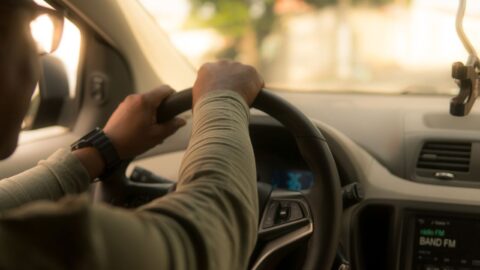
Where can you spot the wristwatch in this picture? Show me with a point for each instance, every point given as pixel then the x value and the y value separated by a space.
pixel 98 140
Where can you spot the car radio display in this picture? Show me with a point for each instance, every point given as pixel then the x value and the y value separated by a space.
pixel 446 243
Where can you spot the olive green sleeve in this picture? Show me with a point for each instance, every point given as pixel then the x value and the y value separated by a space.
pixel 210 222
pixel 217 193
pixel 59 175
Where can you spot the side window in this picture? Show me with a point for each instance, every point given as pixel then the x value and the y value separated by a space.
pixel 56 90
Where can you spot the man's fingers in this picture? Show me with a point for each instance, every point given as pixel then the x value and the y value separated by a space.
pixel 157 95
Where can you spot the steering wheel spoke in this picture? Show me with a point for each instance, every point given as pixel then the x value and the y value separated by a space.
pixel 285 211
pixel 286 220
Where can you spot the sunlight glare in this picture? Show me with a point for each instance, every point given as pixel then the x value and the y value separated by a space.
pixel 69 52
pixel 42 31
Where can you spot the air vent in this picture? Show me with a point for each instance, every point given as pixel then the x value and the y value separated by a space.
pixel 445 156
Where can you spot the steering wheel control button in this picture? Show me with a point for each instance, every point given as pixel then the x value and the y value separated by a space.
pixel 269 220
pixel 296 211
pixel 283 212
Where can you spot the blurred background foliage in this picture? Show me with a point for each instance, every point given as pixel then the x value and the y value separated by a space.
pixel 236 18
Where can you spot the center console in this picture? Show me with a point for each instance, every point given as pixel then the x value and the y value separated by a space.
pixel 414 235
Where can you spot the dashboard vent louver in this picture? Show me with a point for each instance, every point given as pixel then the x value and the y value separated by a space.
pixel 445 156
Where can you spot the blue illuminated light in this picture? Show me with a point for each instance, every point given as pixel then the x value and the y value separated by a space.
pixel 294 180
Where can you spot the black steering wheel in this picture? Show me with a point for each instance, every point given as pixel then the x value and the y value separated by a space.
pixel 286 217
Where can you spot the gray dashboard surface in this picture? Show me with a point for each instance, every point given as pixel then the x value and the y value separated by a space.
pixel 391 128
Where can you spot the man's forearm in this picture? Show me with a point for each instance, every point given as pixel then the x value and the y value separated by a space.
pixel 51 179
pixel 216 194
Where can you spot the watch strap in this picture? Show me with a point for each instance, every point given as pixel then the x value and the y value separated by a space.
pixel 99 140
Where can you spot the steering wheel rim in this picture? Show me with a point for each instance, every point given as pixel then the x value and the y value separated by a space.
pixel 321 204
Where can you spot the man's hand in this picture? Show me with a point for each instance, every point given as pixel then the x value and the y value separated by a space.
pixel 133 127
pixel 228 75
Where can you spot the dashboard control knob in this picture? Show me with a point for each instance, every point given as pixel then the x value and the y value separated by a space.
pixel 352 194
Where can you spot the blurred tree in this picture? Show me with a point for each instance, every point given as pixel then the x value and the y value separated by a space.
pixel 237 21
pixel 321 3
pixel 229 17
pixel 234 20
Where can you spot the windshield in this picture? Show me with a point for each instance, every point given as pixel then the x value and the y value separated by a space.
pixel 374 46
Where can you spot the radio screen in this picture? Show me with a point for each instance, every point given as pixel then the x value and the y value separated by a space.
pixel 446 243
